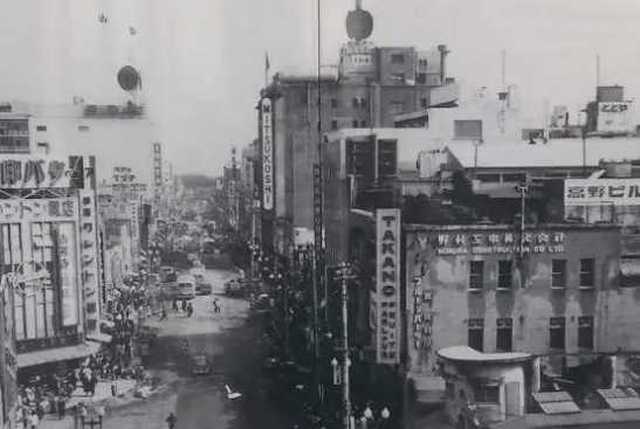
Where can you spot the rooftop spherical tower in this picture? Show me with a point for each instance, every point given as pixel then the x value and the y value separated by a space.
pixel 359 23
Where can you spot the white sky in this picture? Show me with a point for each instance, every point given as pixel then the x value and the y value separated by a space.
pixel 202 61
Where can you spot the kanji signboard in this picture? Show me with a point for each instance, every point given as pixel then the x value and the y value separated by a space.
pixel 617 192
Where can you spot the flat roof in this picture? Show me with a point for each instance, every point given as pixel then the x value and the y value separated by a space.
pixel 467 354
pixel 506 227
pixel 555 153
pixel 411 141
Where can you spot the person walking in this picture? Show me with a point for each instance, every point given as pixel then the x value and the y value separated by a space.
pixel 34 420
pixel 171 421
pixel 62 405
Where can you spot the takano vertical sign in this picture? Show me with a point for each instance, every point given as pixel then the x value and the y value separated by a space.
pixel 388 286
pixel 267 153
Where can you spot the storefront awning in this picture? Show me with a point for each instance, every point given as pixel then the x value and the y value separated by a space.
pixel 630 267
pixel 40 357
pixel 99 337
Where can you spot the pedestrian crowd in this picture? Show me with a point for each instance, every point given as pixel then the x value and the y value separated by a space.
pixel 182 305
pixel 49 393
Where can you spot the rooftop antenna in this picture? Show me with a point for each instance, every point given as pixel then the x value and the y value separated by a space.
pixel 597 73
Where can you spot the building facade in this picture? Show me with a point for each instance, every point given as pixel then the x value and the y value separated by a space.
pixel 372 86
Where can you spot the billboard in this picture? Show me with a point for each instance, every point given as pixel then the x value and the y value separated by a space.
pixel 267 154
pixel 38 210
pixel 66 239
pixel 614 117
pixel 20 172
pixel 388 286
pixel 89 260
pixel 617 192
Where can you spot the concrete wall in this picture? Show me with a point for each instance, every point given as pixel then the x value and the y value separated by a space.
pixel 462 380
pixel 531 301
pixel 386 66
pixel 296 136
pixel 67 132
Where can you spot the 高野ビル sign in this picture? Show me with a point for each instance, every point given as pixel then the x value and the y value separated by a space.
pixel 617 192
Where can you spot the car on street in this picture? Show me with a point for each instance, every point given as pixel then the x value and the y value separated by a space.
pixel 200 365
pixel 203 289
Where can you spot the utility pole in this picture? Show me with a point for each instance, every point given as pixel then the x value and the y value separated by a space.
pixel 345 274
pixel 523 189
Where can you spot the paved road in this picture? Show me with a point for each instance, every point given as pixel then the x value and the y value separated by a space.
pixel 231 342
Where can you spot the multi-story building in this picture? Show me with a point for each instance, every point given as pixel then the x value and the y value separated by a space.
pixel 373 85
pixel 50 267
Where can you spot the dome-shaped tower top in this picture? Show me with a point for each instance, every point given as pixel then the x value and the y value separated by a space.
pixel 359 23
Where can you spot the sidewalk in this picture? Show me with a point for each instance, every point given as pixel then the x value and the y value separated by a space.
pixel 101 397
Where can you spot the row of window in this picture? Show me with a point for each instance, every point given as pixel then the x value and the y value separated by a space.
pixel 558 274
pixel 557 330
pixel 34 311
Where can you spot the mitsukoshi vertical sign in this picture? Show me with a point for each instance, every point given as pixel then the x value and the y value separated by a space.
pixel 388 286
pixel 267 153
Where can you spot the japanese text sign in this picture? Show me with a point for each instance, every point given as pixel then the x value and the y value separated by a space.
pixel 617 192
pixel 388 286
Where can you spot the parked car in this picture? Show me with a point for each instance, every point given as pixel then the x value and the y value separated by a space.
pixel 200 365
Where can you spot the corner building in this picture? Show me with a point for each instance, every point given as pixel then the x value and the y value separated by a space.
pixel 471 285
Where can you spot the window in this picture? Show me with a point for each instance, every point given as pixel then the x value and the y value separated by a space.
pixel 487 393
pixel 83 128
pixel 559 273
pixel 504 334
pixel 467 129
pixel 587 272
pixel 476 271
pixel 359 102
pixel 334 124
pixel 421 78
pixel 397 58
pixel 354 123
pixel 585 332
pixel 397 76
pixel 396 107
pixel 387 159
pixel 422 62
pixel 556 333
pixel 363 124
pixel 504 274
pixel 450 390
pixel 424 103
pixel 41 128
pixel 514 177
pixel 476 334
pixel 488 178
pixel 334 103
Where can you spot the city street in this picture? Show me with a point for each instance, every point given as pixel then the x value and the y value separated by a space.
pixel 230 341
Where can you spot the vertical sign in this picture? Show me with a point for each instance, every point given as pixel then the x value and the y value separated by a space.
pixel 267 154
pixel 388 286
pixel 67 273
pixel 317 208
pixel 89 260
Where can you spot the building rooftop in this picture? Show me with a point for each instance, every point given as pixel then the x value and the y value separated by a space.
pixel 411 141
pixel 555 153
pixel 467 354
